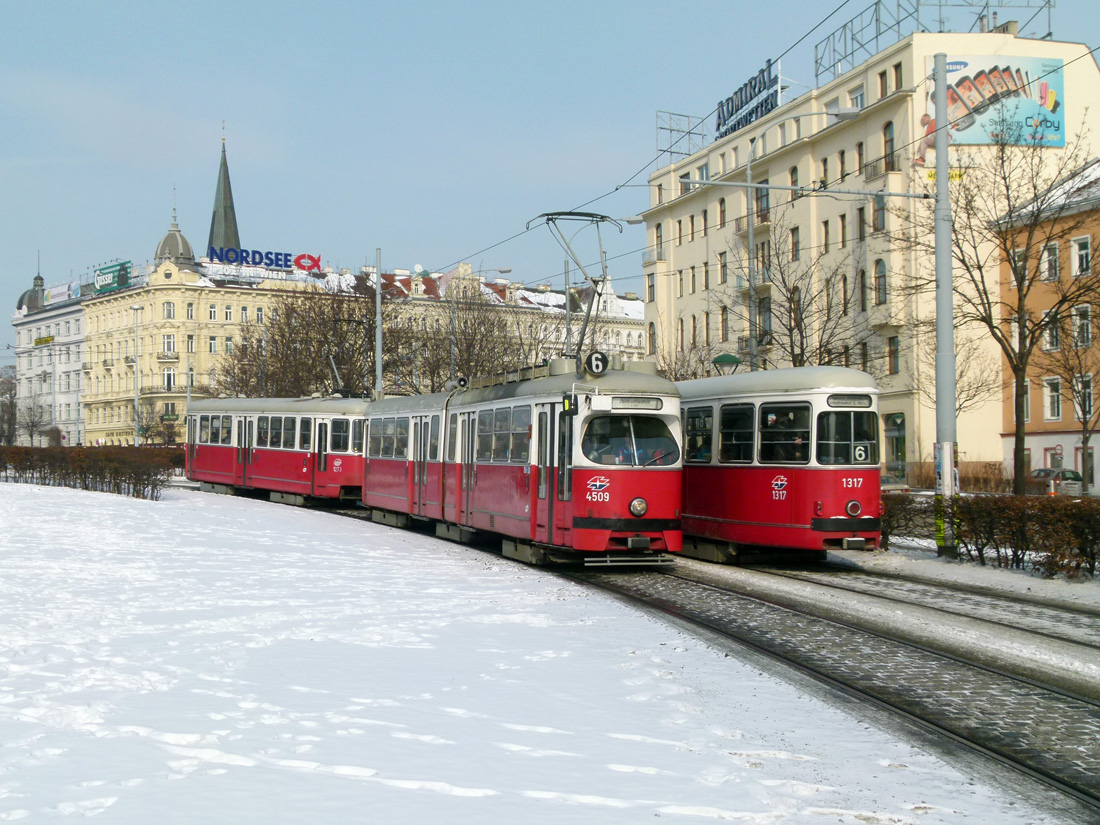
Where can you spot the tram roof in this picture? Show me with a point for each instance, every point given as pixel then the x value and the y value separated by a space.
pixel 330 404
pixel 617 381
pixel 788 380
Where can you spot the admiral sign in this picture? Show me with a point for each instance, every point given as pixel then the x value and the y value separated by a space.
pixel 751 102
pixel 267 259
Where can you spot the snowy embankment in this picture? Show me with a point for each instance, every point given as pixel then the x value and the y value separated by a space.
pixel 217 660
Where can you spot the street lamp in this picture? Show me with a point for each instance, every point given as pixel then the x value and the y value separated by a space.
pixel 137 387
pixel 726 363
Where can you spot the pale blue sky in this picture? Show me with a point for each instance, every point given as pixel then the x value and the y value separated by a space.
pixel 434 130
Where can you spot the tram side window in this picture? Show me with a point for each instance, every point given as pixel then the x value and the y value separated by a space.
pixel 521 435
pixel 305 433
pixel 784 433
pixel 485 435
pixel 401 444
pixel 339 432
pixel 736 432
pixel 433 440
pixel 374 438
pixel 227 429
pixel 847 438
pixel 261 431
pixel 275 435
pixel 389 432
pixel 452 436
pixel 698 433
pixel 357 427
pixel 215 429
pixel 204 429
pixel 502 433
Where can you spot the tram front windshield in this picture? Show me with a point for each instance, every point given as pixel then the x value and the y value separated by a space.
pixel 847 438
pixel 634 440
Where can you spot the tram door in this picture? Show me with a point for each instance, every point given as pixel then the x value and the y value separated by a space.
pixel 320 463
pixel 562 486
pixel 467 433
pixel 420 432
pixel 244 451
pixel 544 470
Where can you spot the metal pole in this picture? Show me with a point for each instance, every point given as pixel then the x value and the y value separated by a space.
pixel 137 383
pixel 378 325
pixel 945 327
pixel 568 317
pixel 751 216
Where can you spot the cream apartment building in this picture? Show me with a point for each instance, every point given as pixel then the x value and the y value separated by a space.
pixel 861 131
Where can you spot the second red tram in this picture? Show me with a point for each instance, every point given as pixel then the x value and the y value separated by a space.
pixel 780 459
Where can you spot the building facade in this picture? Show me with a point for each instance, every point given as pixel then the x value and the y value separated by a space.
pixel 808 270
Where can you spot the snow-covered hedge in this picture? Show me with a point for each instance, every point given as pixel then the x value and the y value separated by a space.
pixel 131 471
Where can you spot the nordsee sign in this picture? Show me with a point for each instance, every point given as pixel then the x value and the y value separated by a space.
pixel 752 101
pixel 271 260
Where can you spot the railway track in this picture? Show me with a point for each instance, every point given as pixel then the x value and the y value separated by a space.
pixel 1040 730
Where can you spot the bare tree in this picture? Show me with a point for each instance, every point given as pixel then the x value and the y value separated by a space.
pixel 977 374
pixel 1013 203
pixel 32 418
pixel 8 391
pixel 804 297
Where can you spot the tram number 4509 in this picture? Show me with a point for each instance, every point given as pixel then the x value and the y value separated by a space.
pixel 598 495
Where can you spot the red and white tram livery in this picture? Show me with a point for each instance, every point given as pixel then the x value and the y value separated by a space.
pixel 780 459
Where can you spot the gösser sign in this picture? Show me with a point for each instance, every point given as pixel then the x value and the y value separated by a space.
pixel 271 260
pixel 751 102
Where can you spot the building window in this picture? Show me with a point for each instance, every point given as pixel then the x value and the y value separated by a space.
pixel 651 340
pixel 824 236
pixel 762 202
pixel 897 76
pixel 168 342
pixel 213 344
pixel 244 315
pixel 882 90
pixel 168 310
pixel 1082 401
pixel 685 183
pixel 724 324
pixel 862 290
pixel 723 268
pixel 1052 399
pixel 878 214
pixel 169 378
pixel 880 282
pixel 691 228
pixel 721 212
pixel 259 315
pixel 843 231
pixel 679 283
pixel 1082 257
pixel 228 312
pixel 228 346
pixel 679 233
pixel 794 182
pixel 1048 262
pixel 694 331
pixel 693 280
pixel 824 172
pixel 888 147
pixel 893 355
pixel 650 287
pixel 660 193
pixel 680 334
pixel 658 242
pixel 1051 330
pixel 864 356
pixel 844 294
pixel 796 251
pixel 842 171
pixel 856 98
pixel 704 218
pixel 861 223
pixel 859 158
pixel 190 312
pixel 1082 326
pixel 190 343
pixel 706 276
pixel 213 313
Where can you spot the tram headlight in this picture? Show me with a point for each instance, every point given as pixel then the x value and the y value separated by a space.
pixel 639 507
pixel 853 508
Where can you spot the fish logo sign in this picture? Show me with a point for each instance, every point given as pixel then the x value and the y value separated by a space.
pixel 308 263
pixel 598 483
pixel 779 483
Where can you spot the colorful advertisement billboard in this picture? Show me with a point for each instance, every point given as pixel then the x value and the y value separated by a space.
pixel 985 91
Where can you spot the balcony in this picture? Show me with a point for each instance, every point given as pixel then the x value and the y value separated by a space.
pixel 741 224
pixel 168 355
pixel 163 389
pixel 87 366
pixel 653 256
pixel 880 166
pixel 129 359
pixel 762 276
pixel 108 362
pixel 763 340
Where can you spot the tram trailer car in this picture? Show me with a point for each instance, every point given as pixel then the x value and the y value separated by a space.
pixel 784 459
pixel 563 467
pixel 294 449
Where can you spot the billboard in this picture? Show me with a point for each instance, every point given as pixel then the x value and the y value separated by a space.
pixel 983 91
pixel 111 277
pixel 60 294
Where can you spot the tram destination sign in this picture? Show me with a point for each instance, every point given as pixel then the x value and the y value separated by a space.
pixel 756 97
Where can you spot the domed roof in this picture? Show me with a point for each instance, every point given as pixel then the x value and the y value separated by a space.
pixel 175 247
pixel 33 299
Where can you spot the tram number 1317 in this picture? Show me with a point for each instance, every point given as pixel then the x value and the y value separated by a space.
pixel 851 482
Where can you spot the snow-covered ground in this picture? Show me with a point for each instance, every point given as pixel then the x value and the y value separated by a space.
pixel 206 659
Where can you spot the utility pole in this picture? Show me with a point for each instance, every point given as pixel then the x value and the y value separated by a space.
pixel 945 452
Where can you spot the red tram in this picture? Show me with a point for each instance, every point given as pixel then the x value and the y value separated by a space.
pixel 780 459
pixel 563 467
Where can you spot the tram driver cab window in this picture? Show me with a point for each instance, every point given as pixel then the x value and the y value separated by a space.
pixel 784 433
pixel 635 440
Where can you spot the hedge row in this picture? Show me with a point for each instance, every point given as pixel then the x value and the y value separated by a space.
pixel 130 471
pixel 1051 535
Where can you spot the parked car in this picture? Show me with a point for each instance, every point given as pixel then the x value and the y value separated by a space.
pixel 894 484
pixel 1056 481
